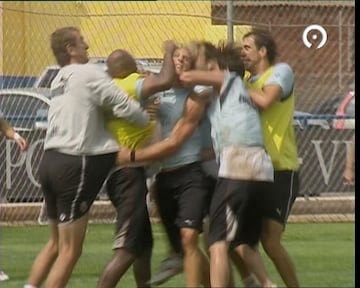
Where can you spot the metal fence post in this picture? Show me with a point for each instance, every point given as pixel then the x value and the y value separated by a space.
pixel 230 20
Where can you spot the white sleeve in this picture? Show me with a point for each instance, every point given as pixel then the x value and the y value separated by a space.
pixel 110 95
pixel 199 89
pixel 284 77
pixel 202 91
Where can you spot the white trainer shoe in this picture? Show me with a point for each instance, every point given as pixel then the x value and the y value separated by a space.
pixel 3 276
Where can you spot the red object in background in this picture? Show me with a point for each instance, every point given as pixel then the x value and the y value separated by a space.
pixel 346 108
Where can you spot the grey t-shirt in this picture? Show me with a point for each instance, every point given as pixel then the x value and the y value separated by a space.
pixel 284 77
pixel 81 93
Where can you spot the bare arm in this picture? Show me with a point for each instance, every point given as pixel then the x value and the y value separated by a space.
pixel 265 97
pixel 10 133
pixel 280 84
pixel 350 164
pixel 163 81
pixel 183 129
pixel 194 77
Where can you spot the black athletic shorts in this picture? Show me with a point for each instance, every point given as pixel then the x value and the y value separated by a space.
pixel 182 198
pixel 278 203
pixel 70 184
pixel 235 211
pixel 127 191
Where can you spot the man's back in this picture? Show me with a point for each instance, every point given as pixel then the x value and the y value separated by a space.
pixel 80 93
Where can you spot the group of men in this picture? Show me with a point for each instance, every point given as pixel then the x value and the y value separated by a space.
pixel 228 103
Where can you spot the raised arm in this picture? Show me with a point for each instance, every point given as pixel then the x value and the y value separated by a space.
pixel 279 86
pixel 184 128
pixel 198 77
pixel 163 81
pixel 264 98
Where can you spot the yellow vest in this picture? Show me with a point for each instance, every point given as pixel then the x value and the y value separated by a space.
pixel 277 126
pixel 127 134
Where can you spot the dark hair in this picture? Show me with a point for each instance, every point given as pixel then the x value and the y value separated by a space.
pixel 264 38
pixel 210 50
pixel 230 58
pixel 60 40
pixel 121 64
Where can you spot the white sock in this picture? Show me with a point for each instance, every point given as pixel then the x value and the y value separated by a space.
pixel 29 286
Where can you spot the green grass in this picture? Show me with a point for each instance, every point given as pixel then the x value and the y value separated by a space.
pixel 324 255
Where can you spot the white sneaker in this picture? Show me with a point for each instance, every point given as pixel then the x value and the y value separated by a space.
pixel 169 267
pixel 3 276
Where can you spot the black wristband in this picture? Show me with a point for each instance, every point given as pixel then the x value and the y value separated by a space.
pixel 132 156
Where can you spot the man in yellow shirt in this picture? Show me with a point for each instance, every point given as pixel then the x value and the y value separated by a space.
pixel 271 87
pixel 126 186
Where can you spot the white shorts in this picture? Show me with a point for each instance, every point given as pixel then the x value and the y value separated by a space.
pixel 246 163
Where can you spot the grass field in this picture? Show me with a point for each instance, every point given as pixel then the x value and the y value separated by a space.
pixel 324 255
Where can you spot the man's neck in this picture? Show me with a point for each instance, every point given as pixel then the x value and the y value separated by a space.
pixel 260 68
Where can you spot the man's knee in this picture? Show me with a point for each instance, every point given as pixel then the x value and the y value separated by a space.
pixel 271 235
pixel 218 248
pixel 189 238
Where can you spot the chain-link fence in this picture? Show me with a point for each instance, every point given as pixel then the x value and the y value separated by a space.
pixel 315 37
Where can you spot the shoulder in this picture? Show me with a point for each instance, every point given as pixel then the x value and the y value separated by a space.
pixel 86 72
pixel 95 69
pixel 94 73
pixel 284 77
pixel 131 79
pixel 281 74
pixel 233 80
pixel 202 96
pixel 283 68
pixel 230 77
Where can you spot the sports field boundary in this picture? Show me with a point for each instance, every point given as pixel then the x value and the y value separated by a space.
pixel 305 209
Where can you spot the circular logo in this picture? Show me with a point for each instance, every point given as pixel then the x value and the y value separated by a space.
pixel 313 32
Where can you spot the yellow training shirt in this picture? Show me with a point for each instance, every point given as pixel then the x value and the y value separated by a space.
pixel 277 127
pixel 127 134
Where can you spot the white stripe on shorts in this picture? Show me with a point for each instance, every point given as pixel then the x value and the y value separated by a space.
pixel 80 187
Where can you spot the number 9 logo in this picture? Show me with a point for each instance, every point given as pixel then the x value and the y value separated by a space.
pixel 307 31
